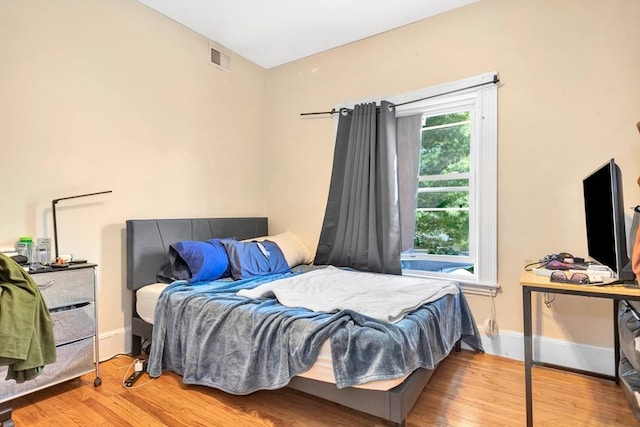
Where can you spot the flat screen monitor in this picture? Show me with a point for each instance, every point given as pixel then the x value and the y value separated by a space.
pixel 604 214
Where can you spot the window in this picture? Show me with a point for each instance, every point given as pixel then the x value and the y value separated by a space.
pixel 442 205
pixel 456 206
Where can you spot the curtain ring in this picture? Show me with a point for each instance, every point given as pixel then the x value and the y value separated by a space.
pixel 344 112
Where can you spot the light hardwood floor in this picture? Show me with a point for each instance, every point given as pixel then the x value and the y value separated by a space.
pixel 468 389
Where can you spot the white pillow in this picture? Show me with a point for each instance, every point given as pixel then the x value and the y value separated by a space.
pixel 294 251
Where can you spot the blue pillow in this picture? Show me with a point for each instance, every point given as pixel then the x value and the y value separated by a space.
pixel 251 259
pixel 204 261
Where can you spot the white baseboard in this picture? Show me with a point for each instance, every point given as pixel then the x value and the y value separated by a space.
pixel 114 342
pixel 564 353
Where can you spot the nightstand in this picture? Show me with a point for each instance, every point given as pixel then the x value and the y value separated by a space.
pixel 70 295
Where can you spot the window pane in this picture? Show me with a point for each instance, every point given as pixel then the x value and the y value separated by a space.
pixel 447 119
pixel 442 217
pixel 446 149
pixel 442 232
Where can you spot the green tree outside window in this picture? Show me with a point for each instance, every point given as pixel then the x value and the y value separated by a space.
pixel 442 214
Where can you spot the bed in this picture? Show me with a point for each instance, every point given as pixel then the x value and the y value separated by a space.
pixel 390 397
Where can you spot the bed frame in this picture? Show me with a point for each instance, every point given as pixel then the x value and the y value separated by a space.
pixel 148 243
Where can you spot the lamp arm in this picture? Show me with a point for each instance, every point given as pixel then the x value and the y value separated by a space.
pixel 54 202
pixel 55 226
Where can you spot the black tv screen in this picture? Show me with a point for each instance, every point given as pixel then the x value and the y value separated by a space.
pixel 604 214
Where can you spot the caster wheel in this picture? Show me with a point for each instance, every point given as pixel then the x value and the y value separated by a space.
pixel 97 382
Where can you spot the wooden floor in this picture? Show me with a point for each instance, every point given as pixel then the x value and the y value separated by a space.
pixel 468 389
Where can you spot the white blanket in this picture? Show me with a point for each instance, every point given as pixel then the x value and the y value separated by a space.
pixel 384 297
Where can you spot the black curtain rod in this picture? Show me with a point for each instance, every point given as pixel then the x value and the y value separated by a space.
pixel 495 80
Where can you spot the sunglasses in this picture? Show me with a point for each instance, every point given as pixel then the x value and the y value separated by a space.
pixel 578 278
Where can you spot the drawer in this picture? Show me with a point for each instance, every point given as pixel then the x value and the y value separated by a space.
pixel 74 323
pixel 629 334
pixel 72 360
pixel 66 287
pixel 630 385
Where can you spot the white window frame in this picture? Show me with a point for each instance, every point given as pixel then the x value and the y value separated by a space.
pixel 482 101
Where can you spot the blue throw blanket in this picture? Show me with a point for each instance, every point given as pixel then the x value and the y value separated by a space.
pixel 212 337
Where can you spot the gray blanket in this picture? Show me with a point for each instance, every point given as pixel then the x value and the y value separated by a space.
pixel 386 297
pixel 212 337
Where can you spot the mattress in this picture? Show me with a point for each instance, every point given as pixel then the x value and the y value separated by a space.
pixel 321 370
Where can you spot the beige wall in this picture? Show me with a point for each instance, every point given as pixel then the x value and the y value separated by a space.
pixel 110 95
pixel 568 101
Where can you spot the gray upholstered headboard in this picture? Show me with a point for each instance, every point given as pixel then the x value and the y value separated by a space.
pixel 148 240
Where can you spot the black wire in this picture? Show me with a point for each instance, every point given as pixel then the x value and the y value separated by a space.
pixel 540 263
pixel 548 301
pixel 115 356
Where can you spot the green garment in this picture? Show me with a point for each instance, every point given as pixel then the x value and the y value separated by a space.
pixel 26 331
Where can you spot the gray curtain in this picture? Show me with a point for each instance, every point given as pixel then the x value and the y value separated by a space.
pixel 361 227
pixel 409 140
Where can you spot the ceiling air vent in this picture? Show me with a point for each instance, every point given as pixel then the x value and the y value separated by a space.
pixel 220 59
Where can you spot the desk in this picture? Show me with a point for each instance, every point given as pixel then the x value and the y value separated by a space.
pixel 531 282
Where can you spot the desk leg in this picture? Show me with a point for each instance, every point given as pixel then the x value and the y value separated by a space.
pixel 616 340
pixel 528 350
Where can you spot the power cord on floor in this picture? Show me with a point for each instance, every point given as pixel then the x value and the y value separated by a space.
pixel 116 356
pixel 130 378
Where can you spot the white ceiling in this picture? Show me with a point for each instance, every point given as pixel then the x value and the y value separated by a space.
pixel 274 32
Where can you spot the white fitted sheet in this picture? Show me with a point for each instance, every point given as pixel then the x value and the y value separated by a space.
pixel 147 299
pixel 321 370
